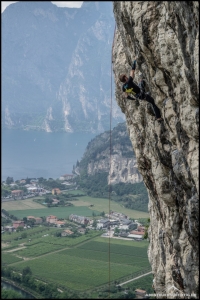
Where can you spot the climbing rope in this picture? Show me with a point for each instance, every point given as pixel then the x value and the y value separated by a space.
pixel 110 187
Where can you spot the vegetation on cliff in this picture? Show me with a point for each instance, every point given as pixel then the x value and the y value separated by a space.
pixel 95 184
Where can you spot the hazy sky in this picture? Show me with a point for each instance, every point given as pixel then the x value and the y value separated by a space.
pixel 77 4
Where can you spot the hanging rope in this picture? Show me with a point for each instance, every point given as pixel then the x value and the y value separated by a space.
pixel 110 187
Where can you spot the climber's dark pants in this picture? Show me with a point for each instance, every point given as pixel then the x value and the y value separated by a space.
pixel 148 98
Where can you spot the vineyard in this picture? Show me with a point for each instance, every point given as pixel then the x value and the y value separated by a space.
pixel 86 264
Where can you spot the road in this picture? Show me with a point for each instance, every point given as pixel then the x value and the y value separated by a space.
pixel 134 278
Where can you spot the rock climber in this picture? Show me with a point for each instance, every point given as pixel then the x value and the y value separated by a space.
pixel 130 87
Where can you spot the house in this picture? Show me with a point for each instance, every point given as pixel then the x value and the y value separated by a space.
pixel 60 223
pixel 22 181
pixel 38 220
pixel 34 180
pixel 141 228
pixel 81 230
pixel 66 232
pixel 103 223
pixel 137 232
pixel 9 228
pixel 118 215
pixel 55 201
pixel 34 189
pixel 56 191
pixel 79 219
pixel 132 226
pixel 114 222
pixel 123 234
pixel 13 184
pixel 125 221
pixel 16 224
pixel 140 294
pixel 135 235
pixel 30 218
pixel 17 193
pixel 123 227
pixel 51 219
pixel 66 177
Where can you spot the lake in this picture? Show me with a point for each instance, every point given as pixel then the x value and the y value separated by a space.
pixel 36 154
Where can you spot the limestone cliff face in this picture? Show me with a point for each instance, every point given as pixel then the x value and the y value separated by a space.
pixel 123 169
pixel 96 158
pixel 164 35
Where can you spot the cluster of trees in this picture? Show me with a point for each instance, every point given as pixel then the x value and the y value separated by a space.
pixel 97 186
pixel 48 291
pixel 6 213
pixel 50 183
pixel 94 185
pixel 10 294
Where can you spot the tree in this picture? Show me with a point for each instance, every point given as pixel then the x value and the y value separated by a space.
pixel 28 180
pixel 27 271
pixel 24 235
pixel 94 224
pixel 48 200
pixel 9 180
pixel 9 294
pixel 25 219
pixel 19 228
pixel 57 234
pixel 31 222
pixel 116 231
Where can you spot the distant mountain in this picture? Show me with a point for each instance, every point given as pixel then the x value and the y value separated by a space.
pixel 56 67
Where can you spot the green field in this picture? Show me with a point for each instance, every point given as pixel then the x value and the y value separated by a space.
pixel 43 245
pixel 144 283
pixel 31 233
pixel 80 263
pixel 59 212
pixel 90 264
pixel 21 208
pixel 8 258
pixel 129 249
pixel 102 204
pixel 41 240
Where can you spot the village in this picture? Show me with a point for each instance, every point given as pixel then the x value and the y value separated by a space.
pixel 28 188
pixel 114 225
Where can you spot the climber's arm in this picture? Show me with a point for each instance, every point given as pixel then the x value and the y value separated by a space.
pixel 132 73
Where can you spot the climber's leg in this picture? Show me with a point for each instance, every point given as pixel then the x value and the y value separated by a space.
pixel 149 99
pixel 142 85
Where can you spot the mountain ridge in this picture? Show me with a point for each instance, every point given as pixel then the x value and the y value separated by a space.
pixel 49 64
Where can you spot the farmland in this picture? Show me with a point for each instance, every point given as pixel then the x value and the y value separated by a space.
pixel 87 265
pixel 8 258
pixel 28 207
pixel 80 263
pixel 102 204
pixel 60 212
pixel 21 205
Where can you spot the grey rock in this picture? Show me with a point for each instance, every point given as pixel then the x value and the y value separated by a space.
pixel 165 37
